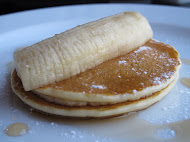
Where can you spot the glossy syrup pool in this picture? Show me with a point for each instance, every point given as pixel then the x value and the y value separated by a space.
pixel 16 129
pixel 167 120
pixel 186 82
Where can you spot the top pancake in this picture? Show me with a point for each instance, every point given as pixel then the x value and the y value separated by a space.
pixel 134 75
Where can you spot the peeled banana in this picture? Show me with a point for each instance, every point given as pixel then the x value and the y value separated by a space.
pixel 78 49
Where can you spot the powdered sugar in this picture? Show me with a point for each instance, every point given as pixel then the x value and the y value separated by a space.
pixel 134 91
pixel 156 80
pixel 122 62
pixel 142 48
pixel 98 87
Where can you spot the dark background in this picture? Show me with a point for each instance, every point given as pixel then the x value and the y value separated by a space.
pixel 9 6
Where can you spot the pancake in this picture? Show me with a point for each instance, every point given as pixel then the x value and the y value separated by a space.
pixel 104 111
pixel 125 78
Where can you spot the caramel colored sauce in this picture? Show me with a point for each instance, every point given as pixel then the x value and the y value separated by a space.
pixel 16 129
pixel 185 61
pixel 186 82
pixel 148 65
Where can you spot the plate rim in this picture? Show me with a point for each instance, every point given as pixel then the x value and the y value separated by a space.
pixel 17 20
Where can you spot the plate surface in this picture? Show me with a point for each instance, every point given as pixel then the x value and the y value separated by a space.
pixel 167 120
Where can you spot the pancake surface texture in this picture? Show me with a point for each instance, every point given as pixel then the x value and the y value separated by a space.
pixel 139 73
pixel 106 111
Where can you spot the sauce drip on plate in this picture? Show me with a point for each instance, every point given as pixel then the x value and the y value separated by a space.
pixel 16 129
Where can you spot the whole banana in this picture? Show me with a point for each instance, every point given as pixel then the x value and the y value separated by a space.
pixel 81 48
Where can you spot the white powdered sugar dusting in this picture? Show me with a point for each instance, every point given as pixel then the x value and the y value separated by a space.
pixel 170 60
pixel 134 91
pixel 156 80
pixel 165 75
pixel 133 69
pixel 98 87
pixel 142 48
pixel 122 62
pixel 145 72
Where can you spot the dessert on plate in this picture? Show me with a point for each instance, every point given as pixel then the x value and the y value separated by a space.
pixel 101 69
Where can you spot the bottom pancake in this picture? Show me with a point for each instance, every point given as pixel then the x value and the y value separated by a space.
pixel 103 111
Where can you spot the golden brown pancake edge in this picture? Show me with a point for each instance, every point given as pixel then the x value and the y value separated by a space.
pixel 87 112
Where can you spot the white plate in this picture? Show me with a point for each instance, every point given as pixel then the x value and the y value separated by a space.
pixel 166 120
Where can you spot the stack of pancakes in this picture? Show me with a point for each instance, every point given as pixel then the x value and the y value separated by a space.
pixel 129 82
